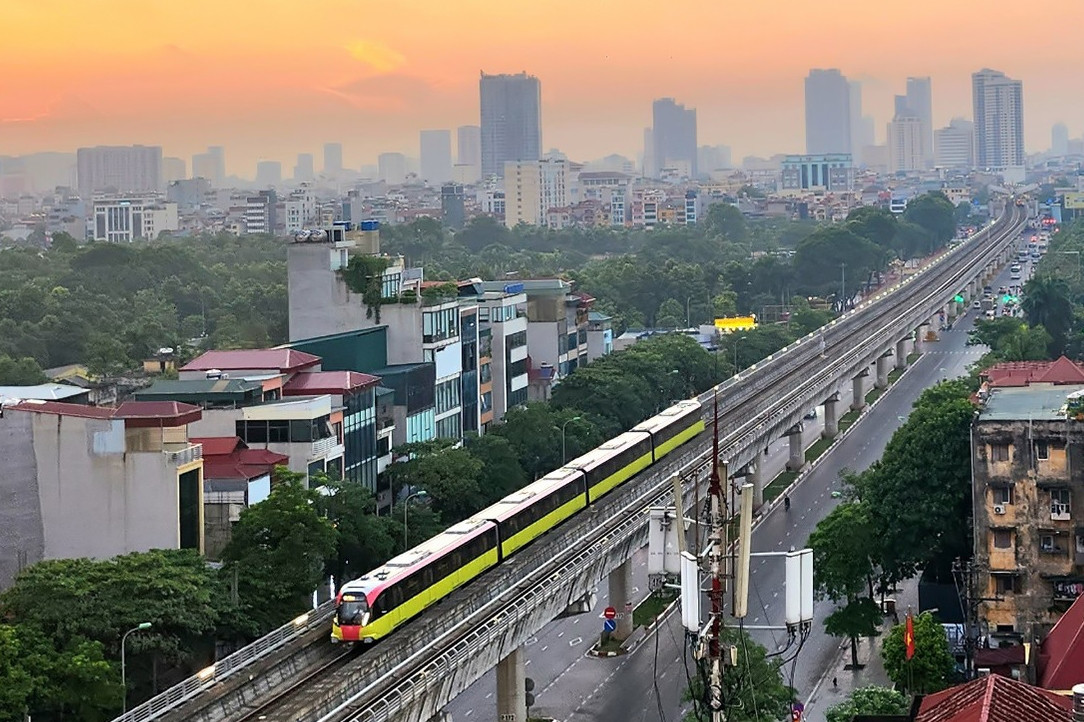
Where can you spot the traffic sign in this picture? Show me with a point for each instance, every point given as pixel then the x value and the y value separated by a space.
pixel 609 625
pixel 610 613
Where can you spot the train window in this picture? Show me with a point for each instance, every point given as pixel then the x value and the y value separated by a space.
pixel 427 574
pixel 675 427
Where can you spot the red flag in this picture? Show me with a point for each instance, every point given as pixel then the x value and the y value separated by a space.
pixel 909 637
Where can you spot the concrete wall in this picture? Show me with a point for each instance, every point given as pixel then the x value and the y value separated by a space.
pixel 70 490
pixel 320 303
pixel 22 534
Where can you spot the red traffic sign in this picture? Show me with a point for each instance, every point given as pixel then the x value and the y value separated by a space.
pixel 610 613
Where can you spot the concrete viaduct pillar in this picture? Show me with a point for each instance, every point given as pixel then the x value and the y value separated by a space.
pixel 621 600
pixel 881 380
pixel 797 453
pixel 754 476
pixel 858 400
pixel 901 353
pixel 920 337
pixel 511 693
pixel 831 417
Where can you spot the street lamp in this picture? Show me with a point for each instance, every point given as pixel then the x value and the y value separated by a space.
pixel 564 456
pixel 123 676
pixel 419 494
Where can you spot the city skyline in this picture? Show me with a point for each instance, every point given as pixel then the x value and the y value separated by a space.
pixel 189 81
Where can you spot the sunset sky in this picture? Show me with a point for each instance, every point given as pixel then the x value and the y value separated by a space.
pixel 270 79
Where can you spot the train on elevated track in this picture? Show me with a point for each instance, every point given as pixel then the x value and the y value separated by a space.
pixel 375 604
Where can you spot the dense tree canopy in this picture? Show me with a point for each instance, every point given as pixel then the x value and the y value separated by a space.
pixel 754 690
pixel 871 700
pixel 930 670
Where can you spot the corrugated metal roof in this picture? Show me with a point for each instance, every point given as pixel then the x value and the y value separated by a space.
pixel 1061 658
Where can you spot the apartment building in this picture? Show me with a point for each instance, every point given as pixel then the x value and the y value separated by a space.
pixel 1027 503
pixel 120 169
pixel 422 319
pixel 556 335
pixel 502 317
pixel 85 481
pixel 126 218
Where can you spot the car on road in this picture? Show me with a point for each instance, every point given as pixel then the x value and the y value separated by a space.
pixel 976 304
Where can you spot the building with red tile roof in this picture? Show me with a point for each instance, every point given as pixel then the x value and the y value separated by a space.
pixel 311 383
pixel 1061 656
pixel 995 699
pixel 97 481
pixel 251 361
pixel 1024 373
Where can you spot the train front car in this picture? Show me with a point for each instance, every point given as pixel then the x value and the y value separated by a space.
pixel 375 604
pixel 352 612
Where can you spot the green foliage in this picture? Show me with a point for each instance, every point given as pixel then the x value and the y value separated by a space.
pixel 919 494
pixel 871 700
pixel 822 255
pixel 502 472
pixel 858 618
pixel 754 690
pixel 842 544
pixel 20 372
pixel 931 668
pixel 1047 303
pixel 623 389
pixel 363 540
pixel 533 434
pixel 55 680
pixel 726 220
pixel 874 224
pixel 115 305
pixel 90 606
pixel 935 215
pixel 1010 339
pixel 364 275
pixel 277 552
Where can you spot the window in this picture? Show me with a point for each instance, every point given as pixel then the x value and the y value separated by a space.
pixel 483 313
pixel 1002 539
pixel 1046 543
pixel 440 325
pixel 999 452
pixel 1042 450
pixel 1060 501
pixel 517 339
pixel 449 428
pixel 1003 495
pixel 1005 584
pixel 448 394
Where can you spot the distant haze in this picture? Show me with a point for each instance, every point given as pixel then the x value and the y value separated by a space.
pixel 272 79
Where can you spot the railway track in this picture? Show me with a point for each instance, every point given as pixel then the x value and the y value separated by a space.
pixel 374 685
pixel 399 686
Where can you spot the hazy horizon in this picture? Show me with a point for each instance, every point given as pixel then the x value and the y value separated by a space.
pixel 184 76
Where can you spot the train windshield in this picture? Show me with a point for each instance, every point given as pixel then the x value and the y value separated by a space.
pixel 353 609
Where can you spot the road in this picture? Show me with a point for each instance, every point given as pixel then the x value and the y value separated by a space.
pixel 573 687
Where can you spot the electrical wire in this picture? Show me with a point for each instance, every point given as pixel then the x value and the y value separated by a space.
pixel 655 677
pixel 745 648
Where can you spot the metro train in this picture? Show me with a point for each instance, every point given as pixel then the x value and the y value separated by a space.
pixel 375 604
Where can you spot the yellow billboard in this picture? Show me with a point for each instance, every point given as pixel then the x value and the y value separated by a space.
pixel 1074 200
pixel 737 323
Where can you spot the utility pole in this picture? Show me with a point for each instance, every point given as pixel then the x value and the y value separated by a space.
pixel 963 574
pixel 716 556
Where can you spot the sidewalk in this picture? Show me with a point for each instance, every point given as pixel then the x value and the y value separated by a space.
pixel 827 695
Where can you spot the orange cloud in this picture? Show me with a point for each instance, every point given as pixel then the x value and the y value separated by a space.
pixel 376 55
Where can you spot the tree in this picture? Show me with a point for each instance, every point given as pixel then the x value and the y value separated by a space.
pixel 727 221
pixel 819 260
pixel 501 472
pixel 20 372
pixel 871 700
pixel 932 666
pixel 935 214
pixel 1010 339
pixel 1048 304
pixel 277 552
pixel 918 495
pixel 363 540
pixel 449 475
pixel 753 690
pixel 874 224
pixel 843 543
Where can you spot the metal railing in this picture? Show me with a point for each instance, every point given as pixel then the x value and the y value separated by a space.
pixel 227 666
pixel 732 389
pixel 186 455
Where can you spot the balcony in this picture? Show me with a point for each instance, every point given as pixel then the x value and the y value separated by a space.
pixel 1059 512
pixel 186 455
pixel 323 448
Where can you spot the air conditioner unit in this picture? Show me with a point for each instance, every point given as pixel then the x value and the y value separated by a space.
pixel 999 509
